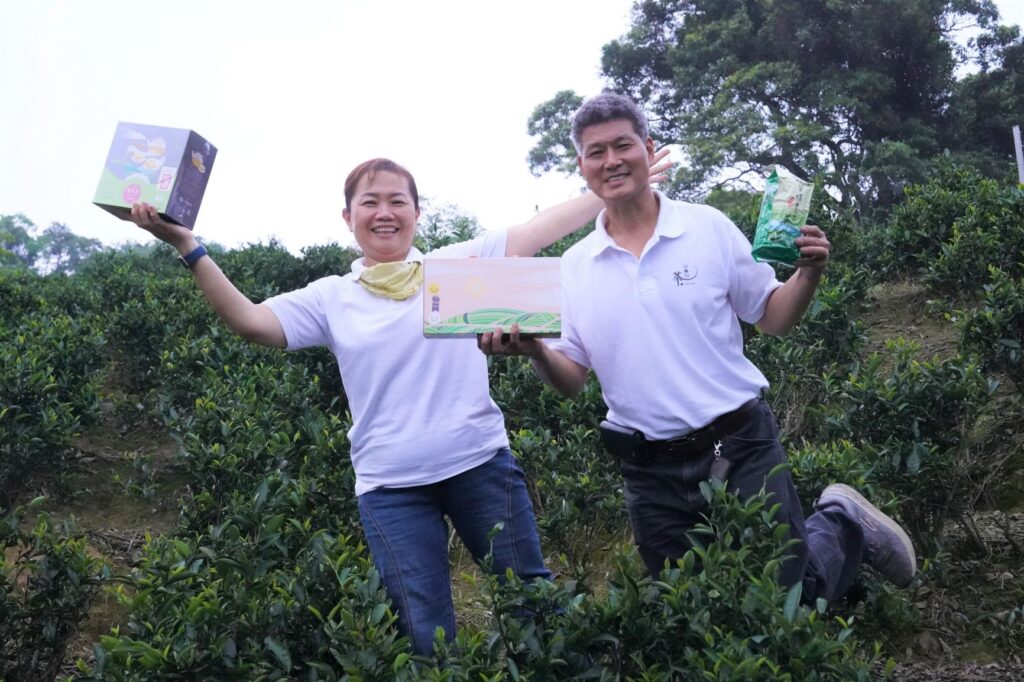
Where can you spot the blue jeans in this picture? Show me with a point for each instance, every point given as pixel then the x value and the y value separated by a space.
pixel 664 502
pixel 408 538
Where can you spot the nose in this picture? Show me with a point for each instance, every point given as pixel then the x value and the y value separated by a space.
pixel 611 159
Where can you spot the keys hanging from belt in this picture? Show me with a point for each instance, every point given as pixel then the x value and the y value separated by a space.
pixel 720 466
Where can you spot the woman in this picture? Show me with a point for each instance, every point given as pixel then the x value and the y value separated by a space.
pixel 427 440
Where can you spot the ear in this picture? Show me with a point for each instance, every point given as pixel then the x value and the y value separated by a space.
pixel 348 219
pixel 650 149
pixel 579 163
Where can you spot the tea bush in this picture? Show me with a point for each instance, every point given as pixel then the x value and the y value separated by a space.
pixel 912 238
pixel 266 578
pixel 995 330
pixel 830 337
pixel 20 292
pixel 273 591
pixel 250 420
pixel 47 581
pixel 49 367
pixel 144 314
pixel 575 486
pixel 989 234
pixel 913 416
pixel 327 259
pixel 816 466
pixel 529 404
pixel 717 614
pixel 262 270
pixel 577 493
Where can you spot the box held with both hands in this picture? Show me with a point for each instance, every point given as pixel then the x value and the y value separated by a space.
pixel 165 167
pixel 468 296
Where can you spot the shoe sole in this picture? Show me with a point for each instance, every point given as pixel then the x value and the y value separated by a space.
pixel 843 490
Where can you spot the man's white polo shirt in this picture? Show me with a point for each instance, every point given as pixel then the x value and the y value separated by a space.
pixel 661 332
pixel 421 408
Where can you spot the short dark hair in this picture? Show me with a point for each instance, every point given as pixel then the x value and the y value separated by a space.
pixel 372 167
pixel 608 106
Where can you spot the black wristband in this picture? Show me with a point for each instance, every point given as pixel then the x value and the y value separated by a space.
pixel 190 258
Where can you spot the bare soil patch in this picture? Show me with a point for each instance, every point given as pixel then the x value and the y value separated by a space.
pixel 907 310
pixel 122 486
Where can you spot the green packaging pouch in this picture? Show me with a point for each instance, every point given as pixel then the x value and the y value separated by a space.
pixel 784 209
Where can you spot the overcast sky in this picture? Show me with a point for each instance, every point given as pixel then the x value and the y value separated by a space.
pixel 293 96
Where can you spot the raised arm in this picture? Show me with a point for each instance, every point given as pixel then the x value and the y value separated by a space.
pixel 253 322
pixel 788 303
pixel 551 224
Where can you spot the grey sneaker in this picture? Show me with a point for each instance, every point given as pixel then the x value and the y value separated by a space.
pixel 887 548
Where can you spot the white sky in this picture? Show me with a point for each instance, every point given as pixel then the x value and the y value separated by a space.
pixel 294 95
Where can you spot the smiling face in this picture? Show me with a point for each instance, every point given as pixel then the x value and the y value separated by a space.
pixel 614 160
pixel 383 217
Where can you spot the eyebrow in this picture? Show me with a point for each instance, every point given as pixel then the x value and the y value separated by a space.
pixel 390 195
pixel 615 140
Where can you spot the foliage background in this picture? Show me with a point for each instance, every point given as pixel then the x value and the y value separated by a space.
pixel 262 572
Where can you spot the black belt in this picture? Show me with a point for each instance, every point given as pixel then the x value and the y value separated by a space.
pixel 635 446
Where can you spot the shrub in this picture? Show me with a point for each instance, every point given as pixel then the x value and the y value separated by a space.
pixel 717 614
pixel 990 233
pixel 328 259
pixel 249 421
pixel 271 592
pixel 924 220
pixel 829 337
pixel 577 493
pixel 817 466
pixel 19 290
pixel 995 330
pixel 914 416
pixel 262 270
pixel 46 587
pixel 48 388
pixel 145 314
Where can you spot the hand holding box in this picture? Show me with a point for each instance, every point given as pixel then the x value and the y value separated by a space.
pixel 165 167
pixel 469 296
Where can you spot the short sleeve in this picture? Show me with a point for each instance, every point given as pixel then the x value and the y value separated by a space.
pixel 750 283
pixel 301 314
pixel 569 343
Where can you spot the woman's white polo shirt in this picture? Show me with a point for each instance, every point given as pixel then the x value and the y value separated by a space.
pixel 421 408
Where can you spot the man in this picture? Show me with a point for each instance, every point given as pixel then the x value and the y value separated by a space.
pixel 651 302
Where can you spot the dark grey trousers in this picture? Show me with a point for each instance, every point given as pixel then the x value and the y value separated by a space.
pixel 664 503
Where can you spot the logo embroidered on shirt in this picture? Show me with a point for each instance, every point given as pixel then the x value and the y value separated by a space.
pixel 684 276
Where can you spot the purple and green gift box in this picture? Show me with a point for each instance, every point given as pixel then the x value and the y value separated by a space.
pixel 165 167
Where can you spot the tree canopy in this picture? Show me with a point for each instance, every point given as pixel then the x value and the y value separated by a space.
pixel 57 249
pixel 859 94
pixel 18 248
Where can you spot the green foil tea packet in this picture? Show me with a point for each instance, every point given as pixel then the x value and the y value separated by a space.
pixel 784 209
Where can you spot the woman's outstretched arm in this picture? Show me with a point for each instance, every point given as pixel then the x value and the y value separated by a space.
pixel 252 321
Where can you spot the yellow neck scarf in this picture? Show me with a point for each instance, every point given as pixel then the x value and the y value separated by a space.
pixel 397 281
